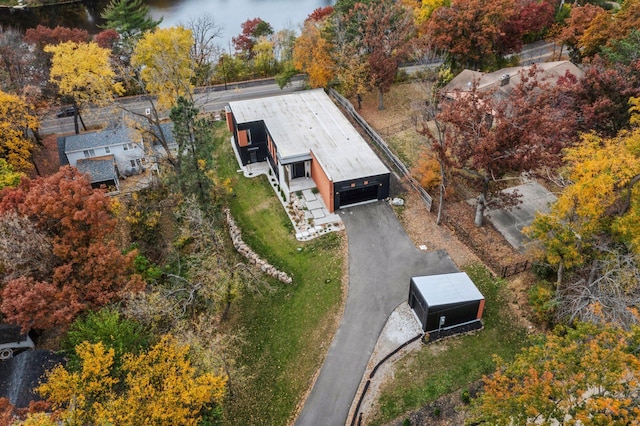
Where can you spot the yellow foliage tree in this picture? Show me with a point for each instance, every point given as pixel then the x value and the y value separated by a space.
pixel 161 387
pixel 312 54
pixel 264 59
pixel 15 144
pixel 423 13
pixel 166 66
pixel 83 71
pixel 603 198
pixel 83 397
pixel 587 375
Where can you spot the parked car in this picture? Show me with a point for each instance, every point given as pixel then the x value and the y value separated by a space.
pixel 12 340
pixel 66 112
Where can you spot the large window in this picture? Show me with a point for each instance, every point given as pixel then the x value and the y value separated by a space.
pixel 88 153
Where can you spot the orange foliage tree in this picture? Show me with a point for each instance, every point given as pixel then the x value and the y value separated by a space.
pixel 587 375
pixel 84 268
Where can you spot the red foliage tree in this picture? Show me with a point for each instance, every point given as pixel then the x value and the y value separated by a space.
pixel 383 31
pixel 107 38
pixel 252 30
pixel 493 137
pixel 319 14
pixel 602 97
pixel 86 270
pixel 471 32
pixel 42 36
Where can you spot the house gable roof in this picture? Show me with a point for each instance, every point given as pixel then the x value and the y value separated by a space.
pixel 309 122
pixel 108 137
pixel 550 72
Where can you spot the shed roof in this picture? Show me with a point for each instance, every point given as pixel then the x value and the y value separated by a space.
pixel 101 169
pixel 309 121
pixel 445 289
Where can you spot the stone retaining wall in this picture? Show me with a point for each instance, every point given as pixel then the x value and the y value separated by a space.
pixel 250 255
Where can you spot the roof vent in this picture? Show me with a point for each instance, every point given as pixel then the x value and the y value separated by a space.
pixel 504 79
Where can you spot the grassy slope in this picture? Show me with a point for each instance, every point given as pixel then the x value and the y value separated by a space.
pixel 444 367
pixel 287 331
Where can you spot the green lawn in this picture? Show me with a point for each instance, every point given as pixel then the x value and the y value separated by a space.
pixel 450 365
pixel 287 331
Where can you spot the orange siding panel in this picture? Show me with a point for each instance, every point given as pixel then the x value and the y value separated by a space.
pixel 325 186
pixel 242 138
pixel 229 116
pixel 480 309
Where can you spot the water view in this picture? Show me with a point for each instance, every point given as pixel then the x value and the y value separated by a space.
pixel 281 14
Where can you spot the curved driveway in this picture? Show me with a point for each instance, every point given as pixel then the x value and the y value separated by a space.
pixel 382 259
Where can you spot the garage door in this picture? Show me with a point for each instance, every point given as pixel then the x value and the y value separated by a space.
pixel 358 195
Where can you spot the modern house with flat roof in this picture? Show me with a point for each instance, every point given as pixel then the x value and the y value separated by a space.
pixel 305 138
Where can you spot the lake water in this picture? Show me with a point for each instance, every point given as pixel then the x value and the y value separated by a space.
pixel 281 14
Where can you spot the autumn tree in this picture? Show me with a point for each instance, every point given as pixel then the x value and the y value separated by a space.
pixel 84 74
pixel 160 387
pixel 16 125
pixel 609 27
pixel 130 18
pixel 587 375
pixel 479 33
pixel 252 31
pixel 380 32
pixel 579 20
pixel 107 39
pixel 494 138
pixel 42 36
pixel 312 53
pixel 602 96
pixel 166 71
pixel 8 175
pixel 74 264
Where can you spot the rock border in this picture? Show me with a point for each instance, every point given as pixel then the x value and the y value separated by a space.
pixel 253 258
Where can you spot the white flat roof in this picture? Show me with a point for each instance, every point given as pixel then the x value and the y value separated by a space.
pixel 444 289
pixel 308 121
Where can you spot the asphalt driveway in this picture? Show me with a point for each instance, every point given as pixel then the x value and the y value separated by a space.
pixel 382 259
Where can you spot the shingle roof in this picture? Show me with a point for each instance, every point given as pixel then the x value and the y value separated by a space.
pixel 101 169
pixel 309 121
pixel 20 375
pixel 489 81
pixel 102 138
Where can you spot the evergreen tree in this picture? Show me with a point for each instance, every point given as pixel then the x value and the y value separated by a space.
pixel 129 18
pixel 194 139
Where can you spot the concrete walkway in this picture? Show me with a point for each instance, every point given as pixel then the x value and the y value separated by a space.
pixel 382 259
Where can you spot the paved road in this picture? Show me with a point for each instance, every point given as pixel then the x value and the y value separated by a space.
pixel 382 259
pixel 206 99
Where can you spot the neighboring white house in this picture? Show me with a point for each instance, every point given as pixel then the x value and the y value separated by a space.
pixel 109 154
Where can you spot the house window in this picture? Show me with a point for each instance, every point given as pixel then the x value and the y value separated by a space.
pixel 143 160
pixel 248 136
pixel 88 153
pixel 107 150
pixel 133 163
pixel 127 146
